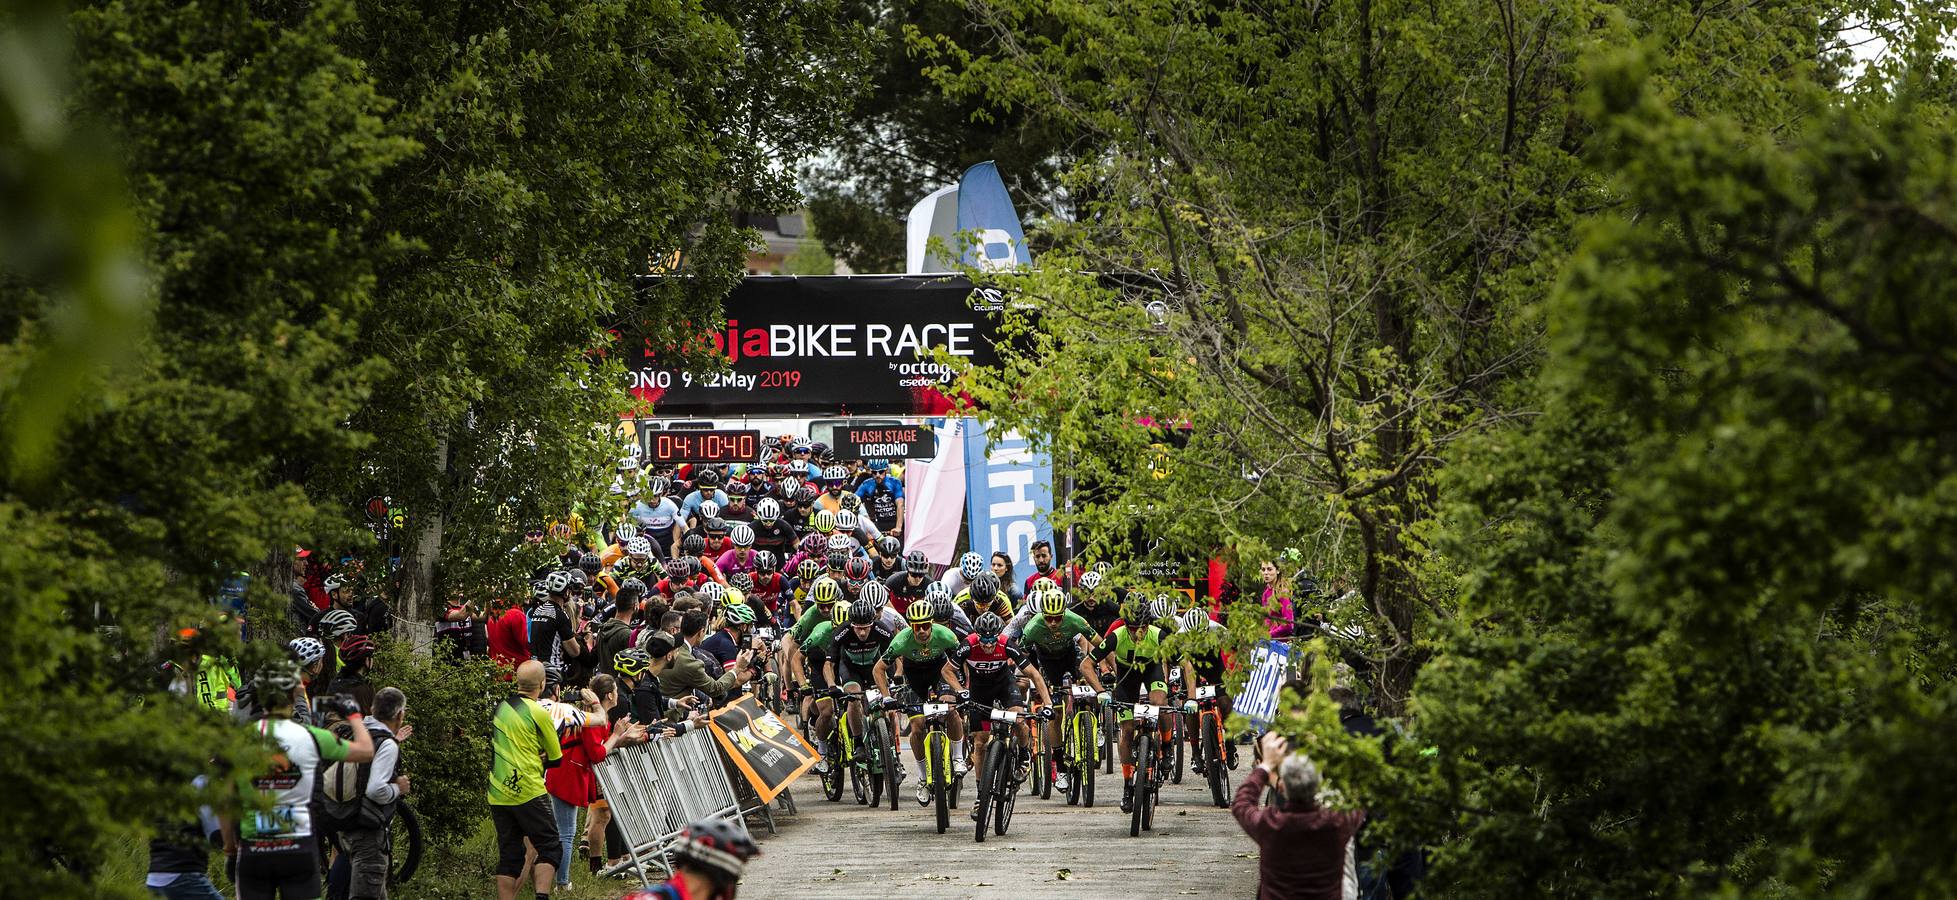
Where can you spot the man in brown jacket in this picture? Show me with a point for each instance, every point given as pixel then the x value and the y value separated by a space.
pixel 1301 845
pixel 680 674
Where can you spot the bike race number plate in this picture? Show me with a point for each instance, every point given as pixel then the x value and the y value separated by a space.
pixel 873 696
pixel 1206 692
pixel 1145 711
pixel 1083 692
pixel 1005 715
pixel 934 710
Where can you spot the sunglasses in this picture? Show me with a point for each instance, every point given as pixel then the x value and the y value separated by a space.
pixel 1054 620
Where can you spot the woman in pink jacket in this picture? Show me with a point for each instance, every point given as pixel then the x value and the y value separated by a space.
pixel 1280 613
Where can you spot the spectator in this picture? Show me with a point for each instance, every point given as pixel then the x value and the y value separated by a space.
pixel 1277 601
pixel 279 854
pixel 509 636
pixel 310 653
pixel 180 856
pixel 614 632
pixel 680 672
pixel 693 630
pixel 523 740
pixel 1043 568
pixel 302 610
pixel 366 856
pixel 355 654
pixel 1301 845
pixel 572 785
pixel 455 628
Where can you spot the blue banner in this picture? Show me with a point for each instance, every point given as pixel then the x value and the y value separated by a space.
pixel 1009 494
pixel 986 218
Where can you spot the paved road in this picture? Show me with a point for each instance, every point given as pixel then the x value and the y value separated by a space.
pixel 843 850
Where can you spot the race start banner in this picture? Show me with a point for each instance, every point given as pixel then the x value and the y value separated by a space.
pixel 1009 493
pixel 826 345
pixel 769 753
pixel 1259 699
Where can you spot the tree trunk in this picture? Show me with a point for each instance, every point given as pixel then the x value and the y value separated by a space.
pixel 418 601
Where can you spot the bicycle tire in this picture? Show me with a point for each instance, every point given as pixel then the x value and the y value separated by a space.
pixel 1142 779
pixel 1176 737
pixel 1005 794
pixel 940 783
pixel 406 863
pixel 1219 775
pixel 1108 729
pixel 832 780
pixel 1087 787
pixel 886 745
pixel 988 784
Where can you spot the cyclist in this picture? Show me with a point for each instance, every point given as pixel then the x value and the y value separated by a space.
pixel 984 597
pixel 1060 642
pixel 853 651
pixel 739 557
pixel 970 564
pixel 708 861
pixel 770 586
pixel 820 674
pixel 922 651
pixel 1200 643
pixel 858 527
pixel 276 849
pixel 886 557
pixel 883 497
pixel 995 666
pixel 1091 604
pixel 770 532
pixel 1132 652
pixel 718 534
pixel 831 500
pixel 706 489
pixel 736 508
pixel 912 583
pixel 805 656
pixel 946 613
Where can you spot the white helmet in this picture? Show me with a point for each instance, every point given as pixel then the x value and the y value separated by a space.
pixel 742 534
pixel 1194 619
pixel 307 650
pixel 626 532
pixel 840 543
pixel 638 546
pixel 1090 581
pixel 835 473
pixel 336 581
pixel 767 510
pixel 714 591
pixel 709 509
pixel 557 582
pixel 971 564
pixel 846 520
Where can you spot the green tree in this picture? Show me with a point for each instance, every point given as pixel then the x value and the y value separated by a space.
pixel 565 148
pixel 907 138
pixel 1705 643
pixel 1346 214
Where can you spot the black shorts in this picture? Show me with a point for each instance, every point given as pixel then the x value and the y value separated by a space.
pixel 813 663
pixel 1058 669
pixel 997 696
pixel 847 673
pixel 531 820
pixel 928 687
pixel 1134 684
pixel 282 869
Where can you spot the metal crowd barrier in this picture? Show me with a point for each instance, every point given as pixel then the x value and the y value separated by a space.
pixel 655 789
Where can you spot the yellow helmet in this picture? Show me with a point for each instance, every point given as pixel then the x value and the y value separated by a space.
pixel 1052 602
pixel 1044 584
pixel 839 614
pixel 919 613
pixel 826 591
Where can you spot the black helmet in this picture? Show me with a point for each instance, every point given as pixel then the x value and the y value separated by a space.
pixel 864 612
pixel 741 581
pixel 707 478
pixel 591 564
pixel 631 589
pixel 1303 585
pixel 941 607
pixel 989 627
pixel 693 545
pixel 837 560
pixel 916 563
pixel 888 546
pixel 682 568
pixel 985 587
pixel 716 525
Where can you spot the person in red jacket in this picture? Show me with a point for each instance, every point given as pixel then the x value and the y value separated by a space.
pixel 571 783
pixel 509 636
pixel 1301 845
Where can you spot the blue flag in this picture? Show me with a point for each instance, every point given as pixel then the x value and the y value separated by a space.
pixel 1009 494
pixel 986 216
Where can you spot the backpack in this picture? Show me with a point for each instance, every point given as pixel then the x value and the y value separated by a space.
pixel 343 788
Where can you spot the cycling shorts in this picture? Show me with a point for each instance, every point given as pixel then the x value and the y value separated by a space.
pixel 278 869
pixel 927 687
pixel 1134 686
pixel 1058 668
pixel 1005 695
pixel 813 663
pixel 846 674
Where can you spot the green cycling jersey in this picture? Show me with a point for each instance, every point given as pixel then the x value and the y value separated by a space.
pixel 1130 651
pixel 1052 640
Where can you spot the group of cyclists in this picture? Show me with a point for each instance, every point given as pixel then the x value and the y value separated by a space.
pixel 798 561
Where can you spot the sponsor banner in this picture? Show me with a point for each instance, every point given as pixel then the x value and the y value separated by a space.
pixel 1259 699
pixel 842 345
pixel 769 754
pixel 987 222
pixel 936 491
pixel 885 442
pixel 1009 491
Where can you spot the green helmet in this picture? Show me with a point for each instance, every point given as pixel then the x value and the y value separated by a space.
pixel 739 614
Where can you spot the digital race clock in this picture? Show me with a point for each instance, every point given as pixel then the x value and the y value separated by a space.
pixel 706 446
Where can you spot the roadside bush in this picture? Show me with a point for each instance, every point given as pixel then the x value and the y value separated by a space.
pixel 447 757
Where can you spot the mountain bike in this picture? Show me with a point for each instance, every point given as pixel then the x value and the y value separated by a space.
pixel 937 753
pixel 1080 744
pixel 1209 753
pixel 843 764
pixel 998 777
pixel 881 750
pixel 1149 774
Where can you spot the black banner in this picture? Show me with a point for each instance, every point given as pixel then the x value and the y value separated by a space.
pixel 886 442
pixel 768 752
pixel 840 345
